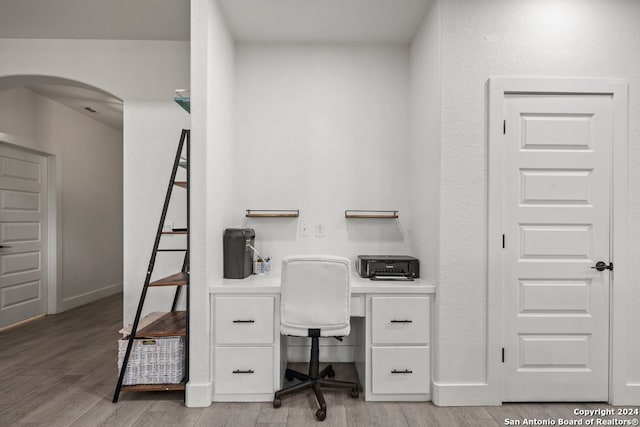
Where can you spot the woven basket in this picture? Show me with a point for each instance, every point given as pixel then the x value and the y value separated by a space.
pixel 153 361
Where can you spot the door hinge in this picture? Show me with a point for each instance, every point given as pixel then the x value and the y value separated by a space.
pixel 504 127
pixel 503 241
pixel 502 354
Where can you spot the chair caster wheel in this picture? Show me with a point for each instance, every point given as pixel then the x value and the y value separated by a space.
pixel 288 375
pixel 355 393
pixel 277 402
pixel 321 414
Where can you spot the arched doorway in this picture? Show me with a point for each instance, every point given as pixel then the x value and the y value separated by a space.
pixel 72 253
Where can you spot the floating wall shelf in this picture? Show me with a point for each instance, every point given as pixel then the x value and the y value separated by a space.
pixel 272 213
pixel 354 213
pixel 184 99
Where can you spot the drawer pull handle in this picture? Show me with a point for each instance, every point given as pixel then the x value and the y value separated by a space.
pixel 238 371
pixel 244 321
pixel 405 371
pixel 402 321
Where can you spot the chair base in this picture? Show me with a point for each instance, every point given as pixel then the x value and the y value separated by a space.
pixel 316 383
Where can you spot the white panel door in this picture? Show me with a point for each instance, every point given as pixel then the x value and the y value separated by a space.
pixel 556 212
pixel 23 232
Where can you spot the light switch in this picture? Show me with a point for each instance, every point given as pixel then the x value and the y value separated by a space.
pixel 320 229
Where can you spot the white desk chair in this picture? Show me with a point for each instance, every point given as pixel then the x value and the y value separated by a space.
pixel 315 302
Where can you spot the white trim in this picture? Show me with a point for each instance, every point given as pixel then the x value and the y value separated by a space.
pixel 619 391
pixel 198 395
pixel 54 267
pixel 469 394
pixel 53 263
pixel 78 300
pixel 626 395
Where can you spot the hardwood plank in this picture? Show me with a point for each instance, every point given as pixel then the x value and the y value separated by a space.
pixel 106 414
pixel 221 414
pixel 168 413
pixel 230 414
pixel 171 324
pixel 269 414
pixel 63 408
pixel 417 414
pixel 177 279
pixel 387 414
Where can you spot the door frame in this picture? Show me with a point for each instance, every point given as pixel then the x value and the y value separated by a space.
pixel 54 262
pixel 620 392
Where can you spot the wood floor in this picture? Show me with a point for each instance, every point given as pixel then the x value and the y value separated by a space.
pixel 61 371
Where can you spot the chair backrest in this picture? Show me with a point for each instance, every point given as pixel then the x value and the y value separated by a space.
pixel 315 294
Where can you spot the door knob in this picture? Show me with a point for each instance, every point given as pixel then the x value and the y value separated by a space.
pixel 602 266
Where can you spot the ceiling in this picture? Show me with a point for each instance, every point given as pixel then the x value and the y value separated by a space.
pixel 352 21
pixel 378 21
pixel 279 21
pixel 95 19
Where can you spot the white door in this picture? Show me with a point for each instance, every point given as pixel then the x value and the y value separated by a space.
pixel 23 232
pixel 557 177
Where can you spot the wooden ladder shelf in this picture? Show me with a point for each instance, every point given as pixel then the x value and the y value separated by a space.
pixel 174 323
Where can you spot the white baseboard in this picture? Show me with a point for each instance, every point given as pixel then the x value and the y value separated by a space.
pixel 78 300
pixel 198 395
pixel 472 394
pixel 629 395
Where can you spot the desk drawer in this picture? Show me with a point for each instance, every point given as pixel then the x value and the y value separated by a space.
pixel 400 370
pixel 400 320
pixel 244 320
pixel 243 370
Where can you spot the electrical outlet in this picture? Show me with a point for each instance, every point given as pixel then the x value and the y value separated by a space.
pixel 320 229
pixel 305 229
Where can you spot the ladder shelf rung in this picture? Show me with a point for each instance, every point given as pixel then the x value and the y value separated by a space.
pixel 154 387
pixel 171 324
pixel 175 232
pixel 182 184
pixel 178 279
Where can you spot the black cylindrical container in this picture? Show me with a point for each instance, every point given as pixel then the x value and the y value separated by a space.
pixel 238 255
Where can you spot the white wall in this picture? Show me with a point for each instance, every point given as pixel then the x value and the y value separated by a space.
pixel 18 114
pixel 424 148
pixel 89 169
pixel 143 74
pixel 552 38
pixel 88 163
pixel 322 128
pixel 212 79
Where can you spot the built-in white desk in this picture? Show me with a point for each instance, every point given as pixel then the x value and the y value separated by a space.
pixel 391 325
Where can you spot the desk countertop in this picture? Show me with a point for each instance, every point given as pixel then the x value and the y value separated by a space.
pixel 270 283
